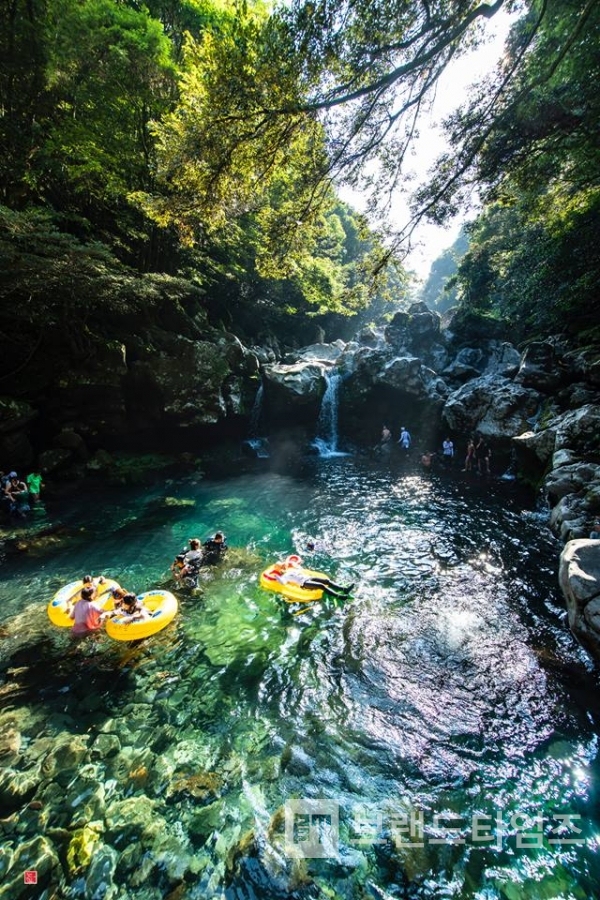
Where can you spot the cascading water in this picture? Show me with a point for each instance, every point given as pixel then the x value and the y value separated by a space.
pixel 326 441
pixel 258 445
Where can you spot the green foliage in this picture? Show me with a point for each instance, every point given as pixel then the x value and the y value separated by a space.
pixel 86 87
pixel 440 291
pixel 534 254
pixel 61 295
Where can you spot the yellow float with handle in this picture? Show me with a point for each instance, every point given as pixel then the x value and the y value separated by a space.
pixel 293 593
pixel 60 605
pixel 163 608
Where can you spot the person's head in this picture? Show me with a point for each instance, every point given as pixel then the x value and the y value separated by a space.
pixel 87 593
pixel 293 560
pixel 310 546
pixel 87 579
pixel 12 475
pixel 117 594
pixel 129 600
pixel 219 537
pixel 194 544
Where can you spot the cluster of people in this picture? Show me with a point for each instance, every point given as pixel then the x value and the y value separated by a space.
pixel 386 440
pixel 187 564
pixel 477 459
pixel 89 614
pixel 18 496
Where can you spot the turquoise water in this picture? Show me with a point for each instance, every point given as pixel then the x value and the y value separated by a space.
pixel 443 717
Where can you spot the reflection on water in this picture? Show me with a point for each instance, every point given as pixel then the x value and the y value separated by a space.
pixel 444 708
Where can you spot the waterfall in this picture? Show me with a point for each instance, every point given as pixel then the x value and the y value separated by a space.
pixel 326 441
pixel 258 445
pixel 256 410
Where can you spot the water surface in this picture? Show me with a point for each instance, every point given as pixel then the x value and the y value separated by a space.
pixel 444 713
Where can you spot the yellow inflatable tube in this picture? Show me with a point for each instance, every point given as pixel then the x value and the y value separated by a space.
pixel 163 608
pixel 59 606
pixel 293 593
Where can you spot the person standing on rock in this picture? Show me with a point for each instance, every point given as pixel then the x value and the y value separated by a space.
pixel 483 454
pixel 34 486
pixel 470 455
pixel 448 452
pixel 404 440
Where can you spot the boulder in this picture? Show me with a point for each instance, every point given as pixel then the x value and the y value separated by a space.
pixel 326 353
pixel 536 447
pixel 539 367
pixel 569 479
pixel 416 329
pixel 370 336
pixel 182 385
pixel 491 405
pixel 293 392
pixel 585 365
pixel 568 518
pixel 579 579
pixel 409 375
pixel 491 357
pixel 579 430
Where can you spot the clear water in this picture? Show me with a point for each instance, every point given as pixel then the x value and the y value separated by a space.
pixel 444 711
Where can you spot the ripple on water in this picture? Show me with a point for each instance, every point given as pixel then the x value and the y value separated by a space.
pixel 448 683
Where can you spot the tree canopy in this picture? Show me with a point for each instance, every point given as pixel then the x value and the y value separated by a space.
pixel 207 139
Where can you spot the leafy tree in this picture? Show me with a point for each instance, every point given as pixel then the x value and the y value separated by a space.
pixel 534 253
pixel 439 290
pixel 318 89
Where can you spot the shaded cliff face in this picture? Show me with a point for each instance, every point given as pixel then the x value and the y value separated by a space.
pixel 126 392
pixel 169 381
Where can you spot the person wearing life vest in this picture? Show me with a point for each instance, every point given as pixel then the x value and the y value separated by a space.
pixel 188 561
pixel 214 549
pixel 291 572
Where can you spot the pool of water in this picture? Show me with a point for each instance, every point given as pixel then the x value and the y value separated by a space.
pixel 434 736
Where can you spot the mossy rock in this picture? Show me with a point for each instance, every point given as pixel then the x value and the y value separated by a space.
pixel 81 848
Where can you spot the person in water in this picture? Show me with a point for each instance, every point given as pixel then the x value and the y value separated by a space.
pixel 427 459
pixel 188 561
pixel 133 610
pixel 214 549
pixel 94 583
pixel 87 615
pixel 404 440
pixel 291 572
